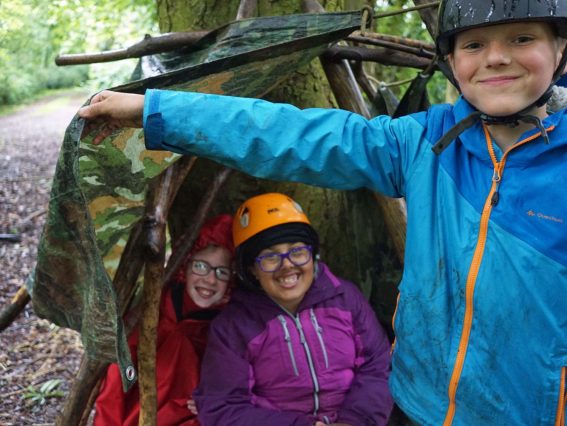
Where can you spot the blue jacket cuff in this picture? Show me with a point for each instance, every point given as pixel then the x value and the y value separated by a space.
pixel 153 121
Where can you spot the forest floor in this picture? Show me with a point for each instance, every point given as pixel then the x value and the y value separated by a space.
pixel 38 360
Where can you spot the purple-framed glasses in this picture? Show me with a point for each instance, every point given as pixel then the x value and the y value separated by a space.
pixel 272 262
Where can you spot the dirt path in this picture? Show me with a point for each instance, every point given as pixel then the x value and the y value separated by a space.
pixel 32 351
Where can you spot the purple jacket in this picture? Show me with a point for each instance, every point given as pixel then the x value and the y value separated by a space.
pixel 265 366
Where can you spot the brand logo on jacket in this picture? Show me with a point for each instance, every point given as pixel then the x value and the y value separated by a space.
pixel 543 216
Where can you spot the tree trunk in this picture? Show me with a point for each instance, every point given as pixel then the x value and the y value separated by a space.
pixel 354 240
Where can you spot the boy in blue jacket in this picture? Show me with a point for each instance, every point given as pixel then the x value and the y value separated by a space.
pixel 481 324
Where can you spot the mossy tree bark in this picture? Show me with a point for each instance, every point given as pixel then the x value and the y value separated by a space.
pixel 354 241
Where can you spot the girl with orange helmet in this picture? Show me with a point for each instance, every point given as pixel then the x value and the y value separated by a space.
pixel 296 344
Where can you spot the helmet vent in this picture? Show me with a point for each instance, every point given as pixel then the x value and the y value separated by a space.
pixel 245 219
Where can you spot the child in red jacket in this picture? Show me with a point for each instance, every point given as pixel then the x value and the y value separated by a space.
pixel 200 288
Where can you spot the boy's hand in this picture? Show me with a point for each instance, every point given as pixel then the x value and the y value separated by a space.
pixel 192 406
pixel 111 111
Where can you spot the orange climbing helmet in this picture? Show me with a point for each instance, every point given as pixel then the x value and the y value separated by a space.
pixel 263 212
pixel 266 220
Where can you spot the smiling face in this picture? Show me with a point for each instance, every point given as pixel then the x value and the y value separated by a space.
pixel 208 290
pixel 288 285
pixel 502 69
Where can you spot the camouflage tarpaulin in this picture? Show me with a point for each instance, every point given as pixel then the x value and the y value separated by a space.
pixel 99 191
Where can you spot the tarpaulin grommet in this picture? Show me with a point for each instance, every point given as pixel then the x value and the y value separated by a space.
pixel 130 373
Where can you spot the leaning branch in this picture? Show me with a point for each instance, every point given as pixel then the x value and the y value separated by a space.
pixel 380 55
pixel 403 44
pixel 159 200
pixel 246 9
pixel 13 309
pixel 148 46
pixel 187 240
pixel 347 93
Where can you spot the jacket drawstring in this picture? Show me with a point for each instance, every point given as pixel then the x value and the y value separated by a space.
pixel 319 331
pixel 287 339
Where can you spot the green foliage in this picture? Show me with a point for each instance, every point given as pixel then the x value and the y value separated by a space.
pixel 34 32
pixel 47 390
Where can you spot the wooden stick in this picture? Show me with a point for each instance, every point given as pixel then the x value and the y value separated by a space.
pixel 155 277
pixel 88 377
pixel 417 51
pixel 363 81
pixel 11 311
pixel 348 96
pixel 33 215
pixel 148 46
pixel 11 238
pixel 132 259
pixel 380 55
pixel 154 222
pixel 92 398
pixel 344 87
pixel 394 39
pixel 148 330
pixel 160 198
pixel 187 240
pixel 246 9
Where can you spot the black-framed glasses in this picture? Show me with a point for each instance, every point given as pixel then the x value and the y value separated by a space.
pixel 272 262
pixel 203 268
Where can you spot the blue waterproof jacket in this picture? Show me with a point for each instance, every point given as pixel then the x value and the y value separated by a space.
pixel 481 323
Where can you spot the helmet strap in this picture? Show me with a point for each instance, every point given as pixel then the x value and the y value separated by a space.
pixel 475 117
pixel 455 131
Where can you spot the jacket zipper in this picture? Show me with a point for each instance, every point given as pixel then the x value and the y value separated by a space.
pixel 319 331
pixel 311 365
pixel 491 201
pixel 287 339
pixel 562 403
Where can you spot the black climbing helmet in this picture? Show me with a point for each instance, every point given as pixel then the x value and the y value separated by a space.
pixel 459 15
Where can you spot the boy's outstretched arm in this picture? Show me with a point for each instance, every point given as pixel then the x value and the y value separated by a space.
pixel 110 111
